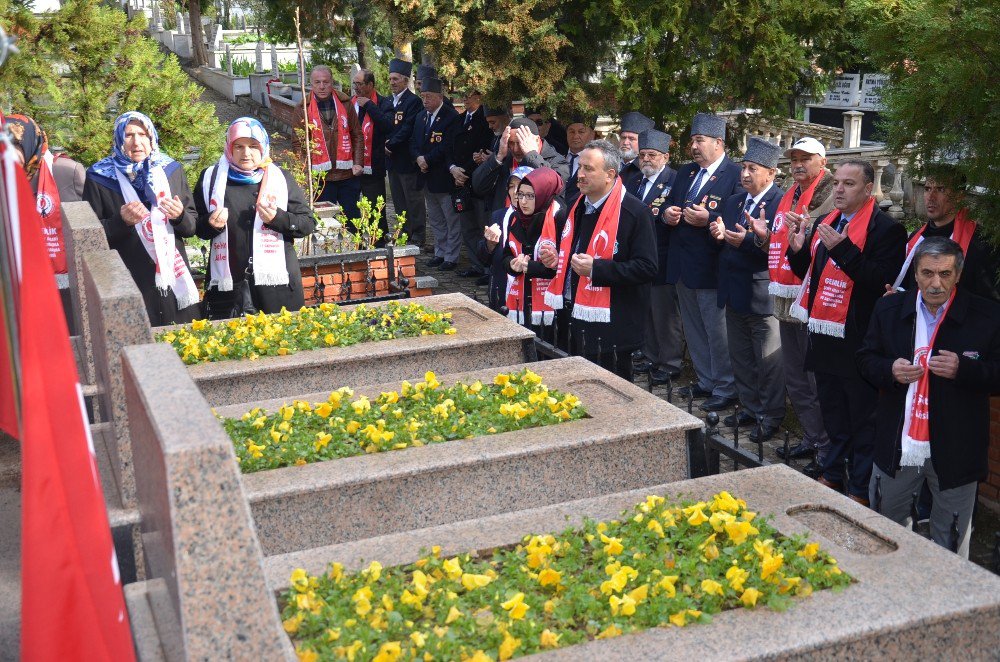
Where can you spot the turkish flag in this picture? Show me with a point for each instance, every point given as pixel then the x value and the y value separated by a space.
pixel 72 607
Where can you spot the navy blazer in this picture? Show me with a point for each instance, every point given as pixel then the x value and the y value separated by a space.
pixel 435 143
pixel 383 120
pixel 693 256
pixel 405 114
pixel 743 276
pixel 656 200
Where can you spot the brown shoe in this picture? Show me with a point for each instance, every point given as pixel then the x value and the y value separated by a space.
pixel 836 487
pixel 863 501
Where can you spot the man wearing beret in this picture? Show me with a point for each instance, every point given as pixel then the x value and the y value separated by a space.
pixel 431 143
pixel 519 145
pixel 400 162
pixel 664 344
pixel 579 132
pixel 474 137
pixel 696 201
pixel 751 328
pixel 633 124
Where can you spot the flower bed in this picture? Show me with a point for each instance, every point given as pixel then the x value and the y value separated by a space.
pixel 283 333
pixel 660 565
pixel 415 415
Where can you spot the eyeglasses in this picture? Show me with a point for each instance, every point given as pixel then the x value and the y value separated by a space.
pixel 525 196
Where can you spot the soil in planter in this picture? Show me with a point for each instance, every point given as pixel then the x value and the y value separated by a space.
pixel 415 415
pixel 658 565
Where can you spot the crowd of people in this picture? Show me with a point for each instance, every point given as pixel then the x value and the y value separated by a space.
pixel 886 346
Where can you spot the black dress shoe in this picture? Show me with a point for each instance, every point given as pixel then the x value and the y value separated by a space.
pixel 469 273
pixel 660 376
pixel 447 266
pixel 813 470
pixel 763 433
pixel 796 452
pixel 483 280
pixel 717 403
pixel 694 390
pixel 642 366
pixel 435 262
pixel 738 420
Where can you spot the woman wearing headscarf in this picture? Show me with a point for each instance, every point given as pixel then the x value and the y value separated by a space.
pixel 491 246
pixel 539 216
pixel 251 210
pixel 54 179
pixel 144 202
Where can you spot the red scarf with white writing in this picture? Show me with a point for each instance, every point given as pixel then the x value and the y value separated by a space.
pixel 47 202
pixel 828 314
pixel 320 153
pixel 916 435
pixel 961 234
pixel 541 312
pixel 590 302
pixel 784 282
pixel 367 129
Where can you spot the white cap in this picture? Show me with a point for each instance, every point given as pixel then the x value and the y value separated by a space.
pixel 807 145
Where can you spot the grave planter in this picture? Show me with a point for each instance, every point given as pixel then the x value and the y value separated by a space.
pixel 226 85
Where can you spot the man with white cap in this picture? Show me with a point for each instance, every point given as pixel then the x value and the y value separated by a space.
pixel 752 330
pixel 809 197
pixel 696 201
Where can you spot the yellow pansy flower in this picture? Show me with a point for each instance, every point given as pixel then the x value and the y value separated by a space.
pixel 739 531
pixel 809 551
pixel 667 584
pixel 306 655
pixel 609 632
pixel 771 564
pixel 418 639
pixel 697 517
pixel 470 581
pixel 679 619
pixel 736 576
pixel 711 587
pixel 453 615
pixel 516 607
pixel 388 652
pixel 749 597
pixel 612 546
pixel 548 639
pixel 453 568
pixel 508 646
pixel 624 604
pixel 548 577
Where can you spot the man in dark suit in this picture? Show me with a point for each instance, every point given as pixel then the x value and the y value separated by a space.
pixel 696 201
pixel 633 124
pixel 751 328
pixel 604 335
pixel 579 132
pixel 933 353
pixel 400 162
pixel 375 113
pixel 474 137
pixel 865 247
pixel 519 145
pixel 549 128
pixel 432 143
pixel 663 350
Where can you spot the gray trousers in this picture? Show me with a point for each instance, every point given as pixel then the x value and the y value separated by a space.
pixel 446 224
pixel 897 495
pixel 755 351
pixel 473 222
pixel 407 197
pixel 664 336
pixel 705 331
pixel 801 387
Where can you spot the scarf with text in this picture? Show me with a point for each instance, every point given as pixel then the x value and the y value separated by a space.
pixel 916 434
pixel 833 296
pixel 321 161
pixel 47 201
pixel 367 130
pixel 590 302
pixel 541 313
pixel 784 282
pixel 157 236
pixel 961 234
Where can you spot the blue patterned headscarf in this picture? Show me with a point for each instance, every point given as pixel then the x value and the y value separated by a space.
pixel 104 171
pixel 247 127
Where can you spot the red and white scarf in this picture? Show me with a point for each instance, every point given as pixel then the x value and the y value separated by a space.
pixel 367 130
pixel 541 312
pixel 962 233
pixel 157 235
pixel 829 311
pixel 47 201
pixel 268 255
pixel 784 282
pixel 916 435
pixel 590 302
pixel 320 154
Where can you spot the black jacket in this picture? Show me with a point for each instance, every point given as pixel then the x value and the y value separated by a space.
pixel 295 222
pixel 490 179
pixel 693 256
pixel 435 144
pixel 979 275
pixel 656 199
pixel 743 275
pixel 628 274
pixel 383 120
pixel 398 140
pixel 107 204
pixel 871 270
pixel 471 137
pixel 960 407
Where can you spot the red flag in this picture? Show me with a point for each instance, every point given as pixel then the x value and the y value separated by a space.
pixel 72 606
